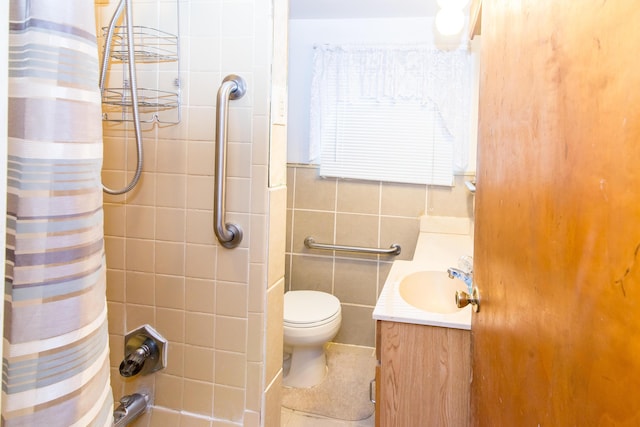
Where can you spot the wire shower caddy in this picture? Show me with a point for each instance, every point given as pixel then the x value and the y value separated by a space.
pixel 157 56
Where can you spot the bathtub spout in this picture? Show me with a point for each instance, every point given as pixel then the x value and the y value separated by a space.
pixel 131 406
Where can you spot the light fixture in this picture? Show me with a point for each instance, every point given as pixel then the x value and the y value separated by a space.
pixel 449 21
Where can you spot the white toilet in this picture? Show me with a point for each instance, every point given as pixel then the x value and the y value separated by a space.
pixel 311 319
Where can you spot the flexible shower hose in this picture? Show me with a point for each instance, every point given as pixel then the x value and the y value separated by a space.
pixel 133 86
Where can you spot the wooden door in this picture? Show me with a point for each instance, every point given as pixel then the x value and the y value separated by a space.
pixel 557 242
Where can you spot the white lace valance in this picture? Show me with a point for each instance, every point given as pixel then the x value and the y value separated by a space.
pixel 348 77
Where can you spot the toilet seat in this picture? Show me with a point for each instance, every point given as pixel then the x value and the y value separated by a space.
pixel 308 309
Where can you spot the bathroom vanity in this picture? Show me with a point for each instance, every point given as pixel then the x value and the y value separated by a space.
pixel 423 376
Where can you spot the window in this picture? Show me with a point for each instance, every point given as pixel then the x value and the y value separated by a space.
pixel 397 114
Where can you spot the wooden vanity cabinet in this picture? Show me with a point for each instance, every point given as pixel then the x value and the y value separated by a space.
pixel 423 375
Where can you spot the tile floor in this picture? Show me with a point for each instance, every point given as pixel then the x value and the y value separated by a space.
pixel 292 418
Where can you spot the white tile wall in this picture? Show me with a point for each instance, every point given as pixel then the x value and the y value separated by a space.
pixel 164 265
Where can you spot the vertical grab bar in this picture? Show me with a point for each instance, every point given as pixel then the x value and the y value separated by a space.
pixel 229 235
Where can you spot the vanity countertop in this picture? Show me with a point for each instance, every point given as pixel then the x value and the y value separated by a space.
pixel 435 251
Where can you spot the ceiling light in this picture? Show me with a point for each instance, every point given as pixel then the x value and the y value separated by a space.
pixel 449 21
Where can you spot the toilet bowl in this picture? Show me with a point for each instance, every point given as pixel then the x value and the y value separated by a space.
pixel 311 319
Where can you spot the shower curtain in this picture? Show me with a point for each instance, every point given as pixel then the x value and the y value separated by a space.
pixel 55 353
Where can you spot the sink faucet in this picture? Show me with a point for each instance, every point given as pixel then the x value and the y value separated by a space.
pixel 467 278
pixel 465 273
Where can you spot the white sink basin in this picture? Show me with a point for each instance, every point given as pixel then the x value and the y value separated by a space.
pixel 431 291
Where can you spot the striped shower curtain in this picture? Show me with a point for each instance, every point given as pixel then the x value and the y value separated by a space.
pixel 55 353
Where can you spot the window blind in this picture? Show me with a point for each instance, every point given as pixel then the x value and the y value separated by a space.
pixel 371 118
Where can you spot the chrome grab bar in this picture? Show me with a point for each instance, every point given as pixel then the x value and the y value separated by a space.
pixel 394 249
pixel 229 235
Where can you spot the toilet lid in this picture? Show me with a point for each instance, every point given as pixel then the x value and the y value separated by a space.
pixel 309 306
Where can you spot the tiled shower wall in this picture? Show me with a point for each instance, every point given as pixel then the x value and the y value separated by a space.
pixel 220 309
pixel 357 213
